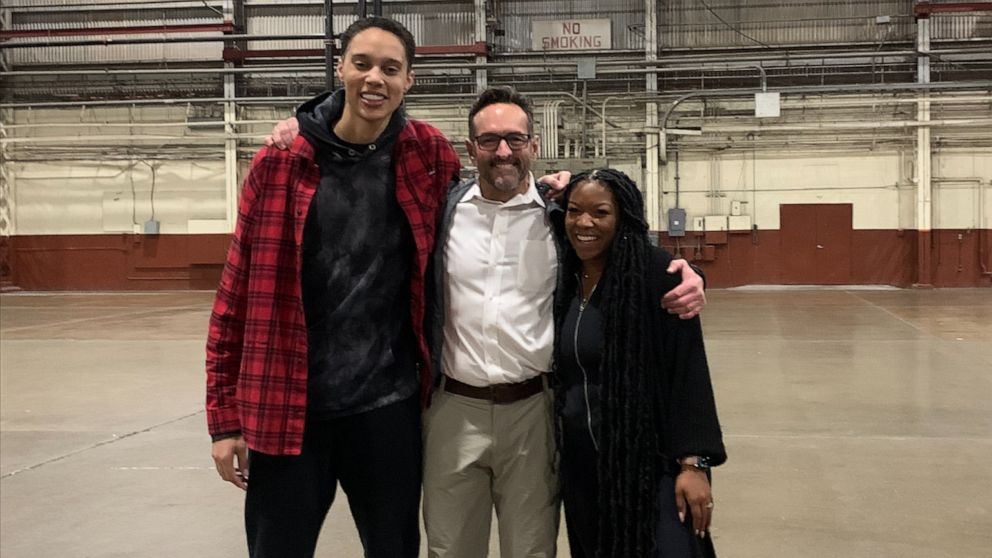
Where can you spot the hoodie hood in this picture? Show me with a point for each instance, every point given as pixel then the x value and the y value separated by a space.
pixel 318 116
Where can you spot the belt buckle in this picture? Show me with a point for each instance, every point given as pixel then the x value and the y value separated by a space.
pixel 499 393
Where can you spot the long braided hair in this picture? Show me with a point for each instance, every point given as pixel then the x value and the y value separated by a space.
pixel 629 445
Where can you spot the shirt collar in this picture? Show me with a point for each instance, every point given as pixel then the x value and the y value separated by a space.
pixel 529 197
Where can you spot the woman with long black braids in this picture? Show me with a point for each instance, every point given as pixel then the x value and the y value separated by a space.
pixel 638 428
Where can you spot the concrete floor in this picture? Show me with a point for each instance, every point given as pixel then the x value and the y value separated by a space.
pixel 858 423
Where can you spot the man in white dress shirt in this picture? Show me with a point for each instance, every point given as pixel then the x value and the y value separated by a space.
pixel 488 434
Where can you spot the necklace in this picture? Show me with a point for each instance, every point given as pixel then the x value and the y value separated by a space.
pixel 584 299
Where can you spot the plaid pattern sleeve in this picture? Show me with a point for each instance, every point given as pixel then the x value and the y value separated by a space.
pixel 257 342
pixel 225 338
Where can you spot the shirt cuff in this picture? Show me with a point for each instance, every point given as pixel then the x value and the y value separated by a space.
pixel 224 436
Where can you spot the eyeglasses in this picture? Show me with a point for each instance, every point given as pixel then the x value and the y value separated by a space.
pixel 490 142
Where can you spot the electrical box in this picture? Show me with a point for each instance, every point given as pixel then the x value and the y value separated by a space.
pixel 698 224
pixel 739 222
pixel 151 226
pixel 715 223
pixel 676 221
pixel 586 68
pixel 735 208
pixel 767 105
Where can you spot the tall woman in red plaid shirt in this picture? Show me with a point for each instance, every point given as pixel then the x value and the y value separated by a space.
pixel 316 356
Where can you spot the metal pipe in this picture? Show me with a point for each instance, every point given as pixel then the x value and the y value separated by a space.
pixel 910 124
pixel 177 4
pixel 320 67
pixel 764 54
pixel 264 69
pixel 858 125
pixel 137 30
pixel 606 100
pixel 423 50
pixel 156 40
pixel 863 102
pixel 234 55
pixel 420 66
pixel 195 124
pixel 853 88
pixel 274 69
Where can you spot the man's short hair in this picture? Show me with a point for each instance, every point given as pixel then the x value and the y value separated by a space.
pixel 498 95
pixel 386 24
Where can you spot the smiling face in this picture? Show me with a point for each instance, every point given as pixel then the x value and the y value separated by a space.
pixel 591 222
pixel 376 76
pixel 503 172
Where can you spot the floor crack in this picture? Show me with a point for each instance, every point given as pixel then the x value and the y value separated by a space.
pixel 99 444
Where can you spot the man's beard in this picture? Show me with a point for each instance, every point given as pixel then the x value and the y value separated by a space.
pixel 499 179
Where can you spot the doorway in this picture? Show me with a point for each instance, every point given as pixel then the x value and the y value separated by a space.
pixel 815 243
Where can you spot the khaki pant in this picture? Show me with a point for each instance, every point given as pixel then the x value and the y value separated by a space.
pixel 479 455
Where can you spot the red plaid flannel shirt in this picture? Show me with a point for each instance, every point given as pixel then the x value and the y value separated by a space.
pixel 257 342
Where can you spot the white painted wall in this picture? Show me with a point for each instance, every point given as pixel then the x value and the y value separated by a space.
pixel 879 185
pixel 95 196
pixel 963 190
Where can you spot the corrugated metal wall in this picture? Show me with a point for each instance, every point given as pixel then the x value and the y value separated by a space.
pixel 185 52
pixel 436 23
pixel 690 24
pixel 432 23
pixel 119 17
pixel 961 26
pixel 296 20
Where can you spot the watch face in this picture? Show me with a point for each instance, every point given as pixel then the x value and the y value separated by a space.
pixel 697 462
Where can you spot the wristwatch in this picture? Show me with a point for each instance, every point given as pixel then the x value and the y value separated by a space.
pixel 696 461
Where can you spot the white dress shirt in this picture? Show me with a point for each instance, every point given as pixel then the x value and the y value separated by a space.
pixel 499 286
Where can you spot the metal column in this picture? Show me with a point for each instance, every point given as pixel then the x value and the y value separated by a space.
pixel 7 210
pixel 652 136
pixel 329 45
pixel 481 74
pixel 924 191
pixel 230 132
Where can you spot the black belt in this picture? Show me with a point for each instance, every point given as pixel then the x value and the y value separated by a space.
pixel 497 393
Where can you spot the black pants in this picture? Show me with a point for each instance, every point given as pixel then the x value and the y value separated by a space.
pixel 376 456
pixel 580 493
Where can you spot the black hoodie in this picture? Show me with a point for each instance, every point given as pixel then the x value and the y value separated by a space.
pixel 357 253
